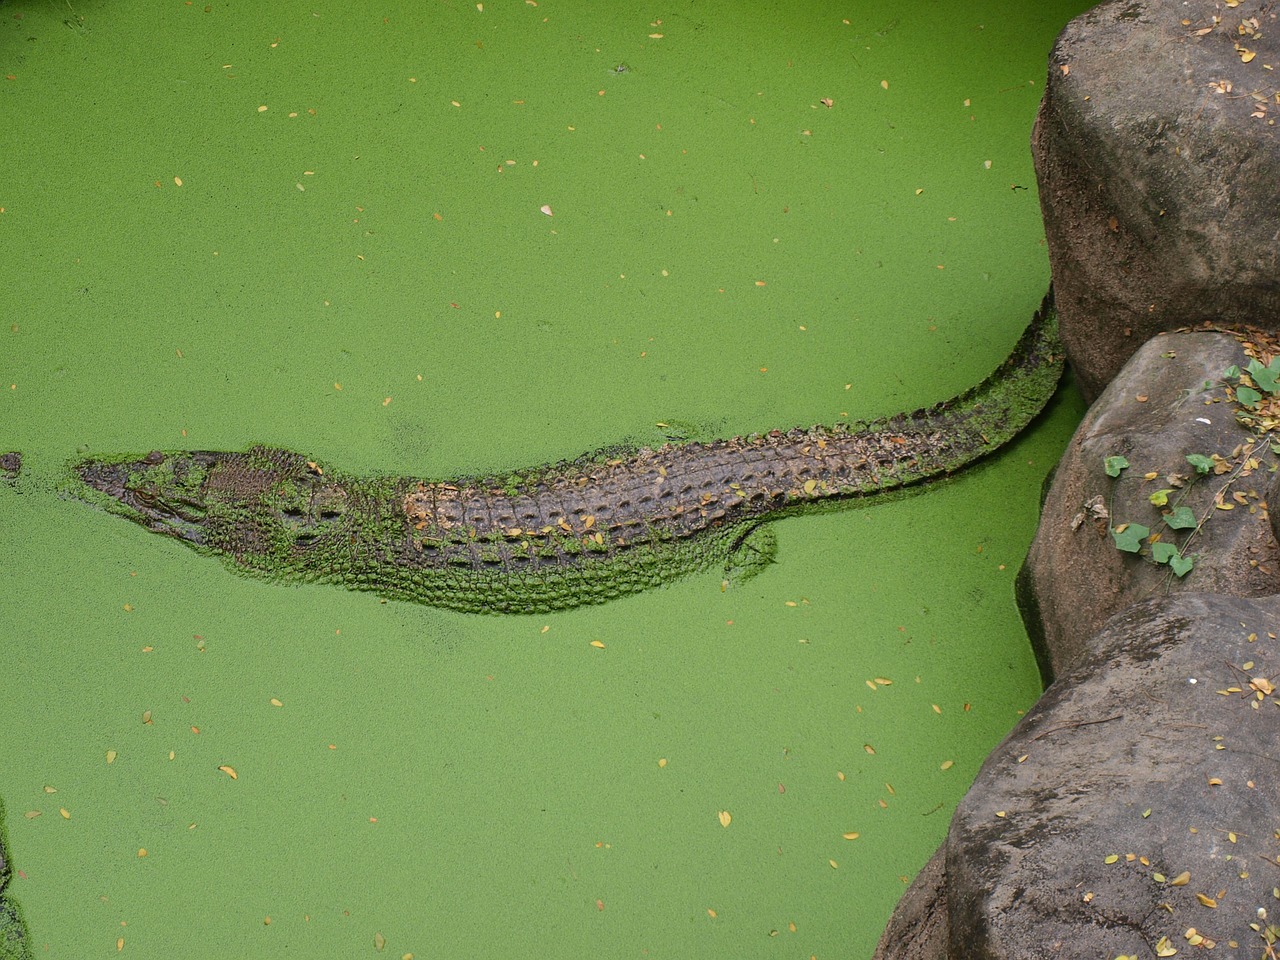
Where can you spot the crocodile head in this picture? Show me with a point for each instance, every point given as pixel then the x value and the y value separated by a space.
pixel 163 492
pixel 258 506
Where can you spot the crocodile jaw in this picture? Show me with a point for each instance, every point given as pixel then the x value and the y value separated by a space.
pixel 144 491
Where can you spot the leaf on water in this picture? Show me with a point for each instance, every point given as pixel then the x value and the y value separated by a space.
pixel 229 771
pixel 852 835
pixel 379 942
pixel 726 818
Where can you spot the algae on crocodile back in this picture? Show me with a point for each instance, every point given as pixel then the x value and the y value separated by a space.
pixel 567 534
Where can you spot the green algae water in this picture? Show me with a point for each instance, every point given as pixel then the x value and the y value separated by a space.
pixel 456 238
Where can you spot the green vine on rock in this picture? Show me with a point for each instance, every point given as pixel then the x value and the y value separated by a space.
pixel 1255 391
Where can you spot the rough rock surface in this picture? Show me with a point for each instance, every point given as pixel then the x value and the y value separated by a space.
pixel 919 929
pixel 1153 414
pixel 1155 756
pixel 1159 173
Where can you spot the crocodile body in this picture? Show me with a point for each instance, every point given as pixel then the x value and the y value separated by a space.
pixel 563 535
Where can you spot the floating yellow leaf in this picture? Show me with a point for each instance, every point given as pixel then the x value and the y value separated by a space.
pixel 229 771
pixel 276 703
pixel 598 644
pixel 711 913
pixel 66 814
pixel 49 789
pixel 379 942
pixel 883 682
pixel 834 865
pixel 947 764
pixel 726 818
pixel 146 716
pixel 142 852
pixel 869 748
pixel 662 762
pixel 119 944
pixel 32 814
pixel 854 835
pixel 111 756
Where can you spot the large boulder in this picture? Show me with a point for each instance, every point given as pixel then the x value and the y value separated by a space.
pixel 1154 414
pixel 1158 160
pixel 1133 810
pixel 918 929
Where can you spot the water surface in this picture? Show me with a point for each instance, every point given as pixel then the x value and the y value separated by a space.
pixel 454 237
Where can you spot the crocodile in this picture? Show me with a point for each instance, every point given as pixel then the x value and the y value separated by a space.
pixel 577 532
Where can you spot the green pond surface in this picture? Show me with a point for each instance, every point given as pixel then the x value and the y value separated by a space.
pixel 441 238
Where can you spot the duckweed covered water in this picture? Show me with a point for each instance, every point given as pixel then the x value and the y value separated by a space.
pixel 450 238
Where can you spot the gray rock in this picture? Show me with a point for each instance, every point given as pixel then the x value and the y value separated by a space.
pixel 1075 578
pixel 1132 765
pixel 1158 183
pixel 918 929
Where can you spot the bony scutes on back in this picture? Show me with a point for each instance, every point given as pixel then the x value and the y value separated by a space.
pixel 562 535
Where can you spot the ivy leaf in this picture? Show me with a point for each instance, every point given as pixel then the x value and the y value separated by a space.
pixel 1231 373
pixel 1180 518
pixel 1181 565
pixel 1202 463
pixel 1248 396
pixel 1162 552
pixel 1160 498
pixel 1129 536
pixel 1266 377
pixel 1115 465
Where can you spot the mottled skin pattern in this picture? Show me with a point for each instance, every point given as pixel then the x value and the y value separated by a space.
pixel 563 535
